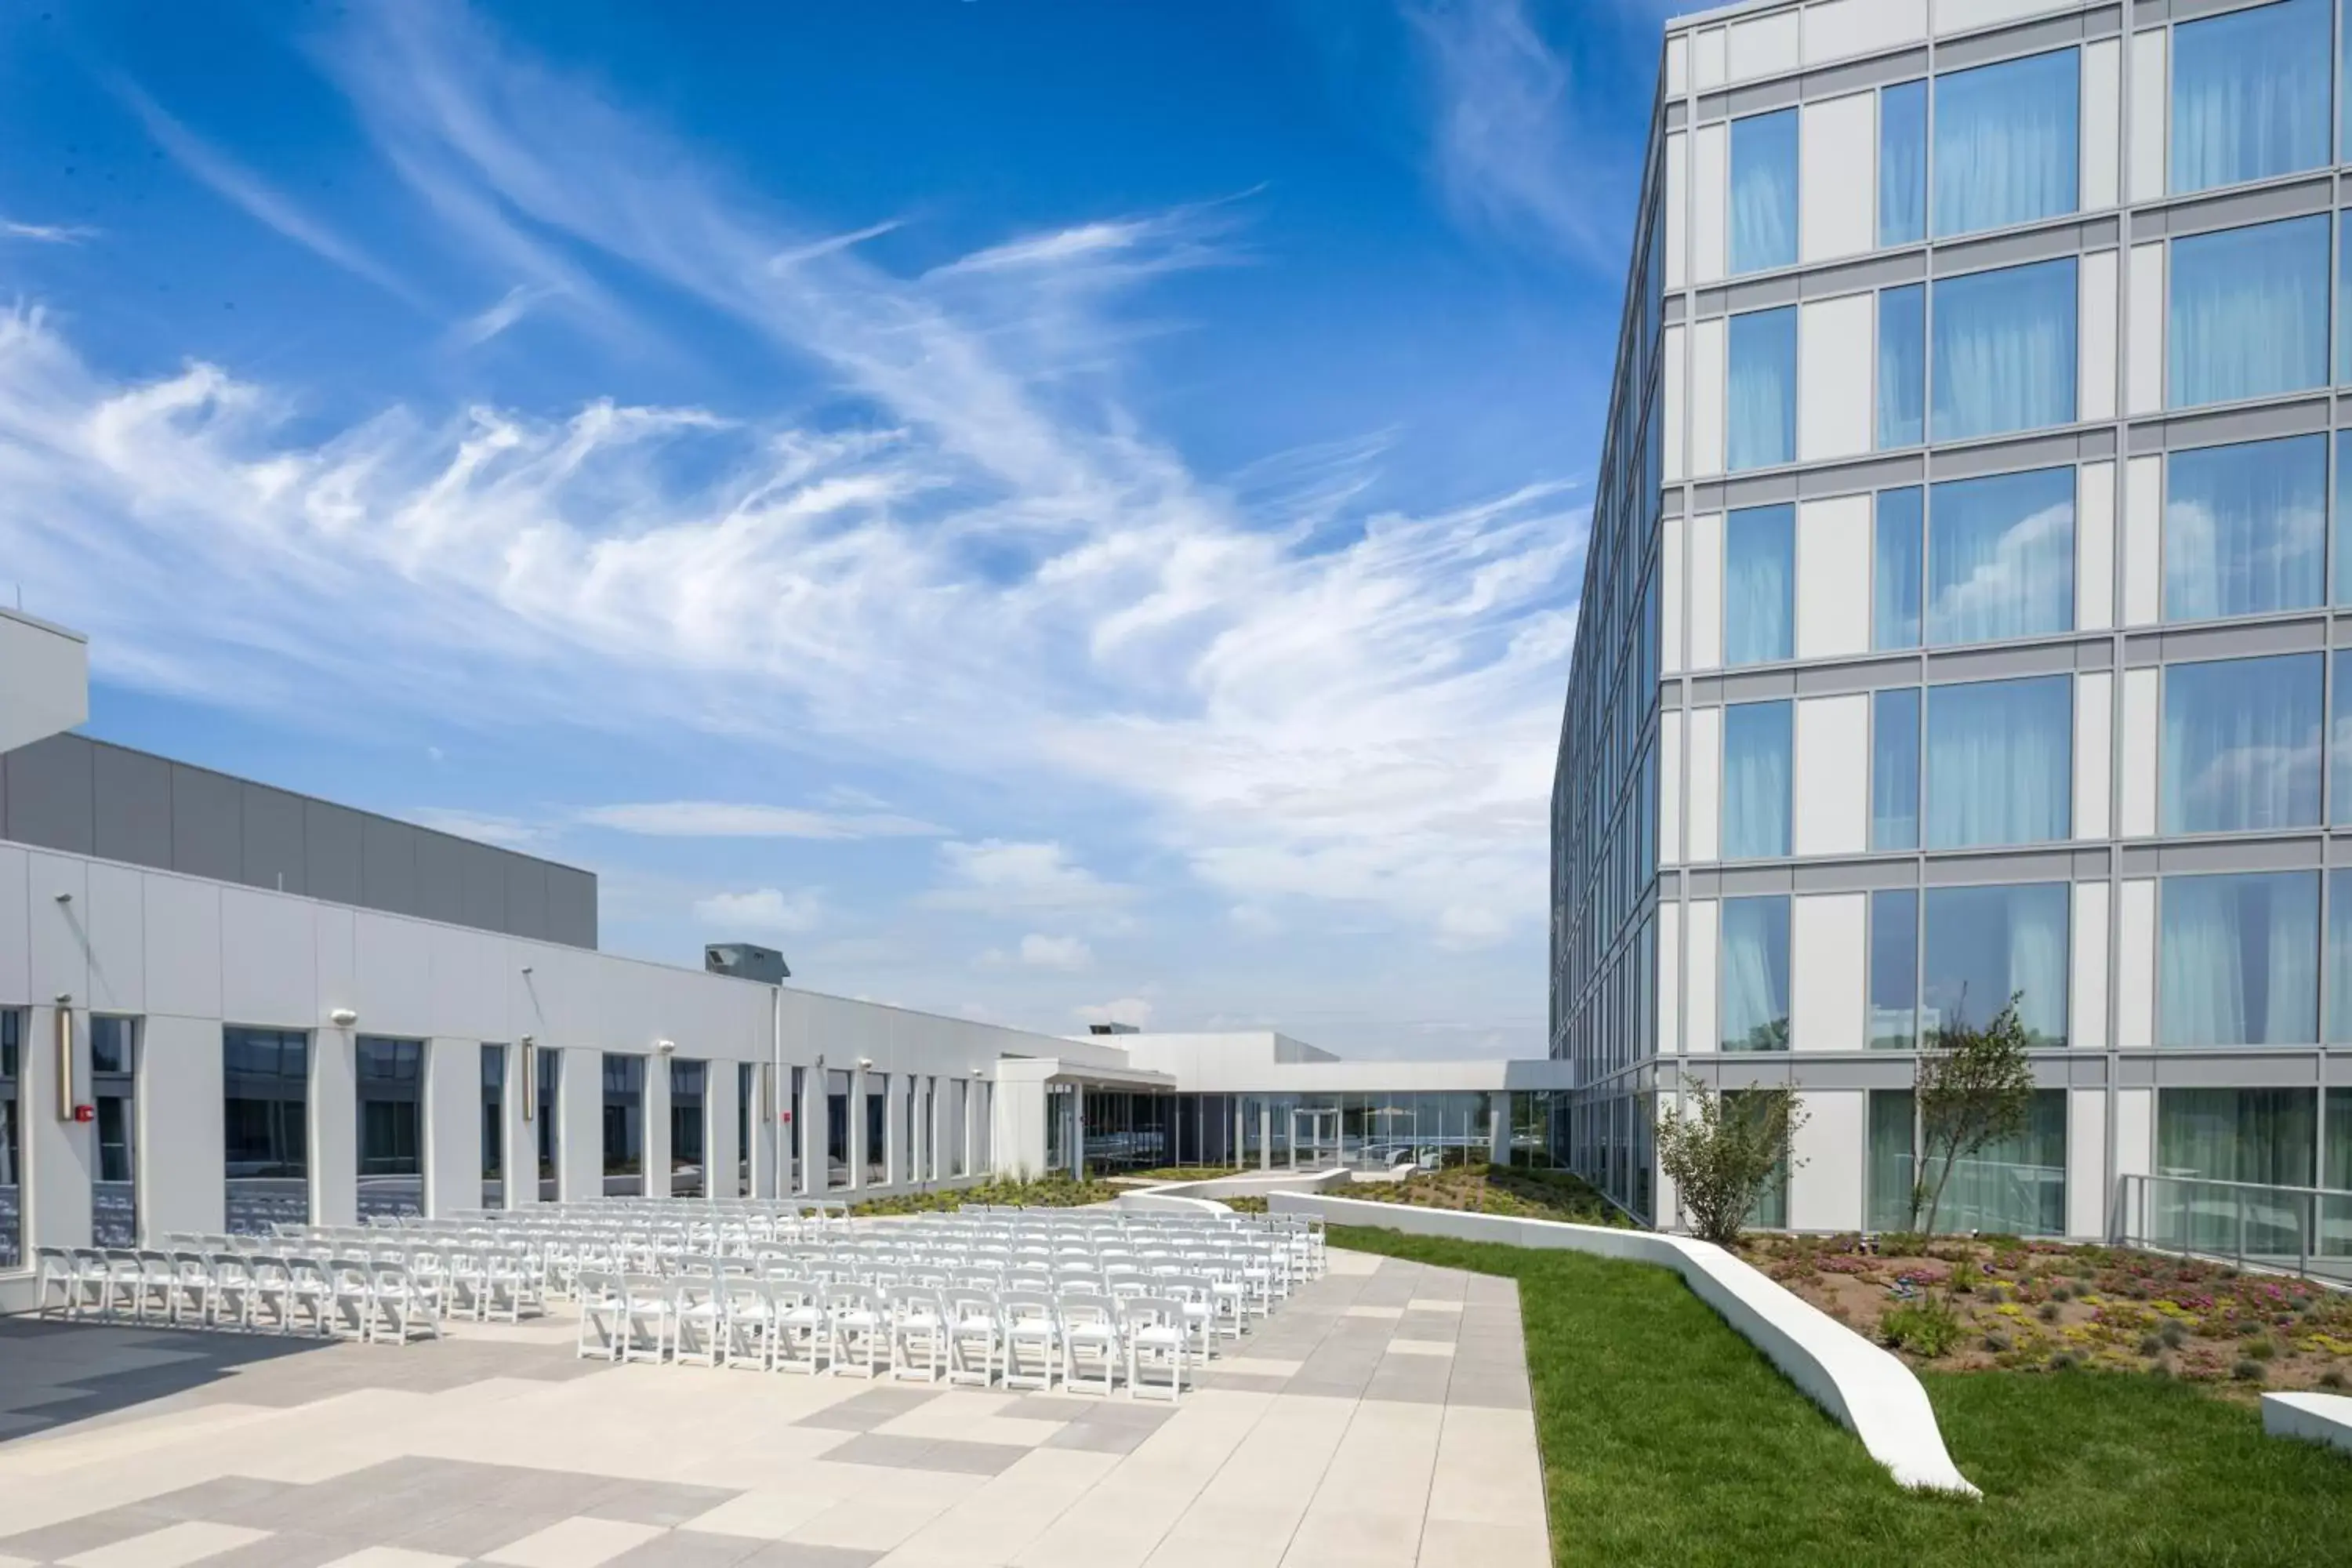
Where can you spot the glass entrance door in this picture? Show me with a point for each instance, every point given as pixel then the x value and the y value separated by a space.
pixel 1314 1140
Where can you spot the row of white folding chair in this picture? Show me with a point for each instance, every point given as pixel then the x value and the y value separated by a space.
pixel 221 1287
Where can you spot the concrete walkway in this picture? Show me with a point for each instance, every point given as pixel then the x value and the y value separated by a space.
pixel 1380 1419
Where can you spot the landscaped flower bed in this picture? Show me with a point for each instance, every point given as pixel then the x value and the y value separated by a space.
pixel 1057 1191
pixel 1960 1304
pixel 1503 1190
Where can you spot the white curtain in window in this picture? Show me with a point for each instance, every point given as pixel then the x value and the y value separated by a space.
pixel 2239 961
pixel 2000 557
pixel 1756 744
pixel 1764 191
pixel 1898 532
pixel 2245 527
pixel 2339 743
pixel 1760 569
pixel 2250 94
pixel 1903 163
pixel 2242 744
pixel 1894 769
pixel 1755 963
pixel 2005 348
pixel 2037 960
pixel 2005 139
pixel 2339 958
pixel 1760 396
pixel 1998 768
pixel 2248 313
pixel 1903 366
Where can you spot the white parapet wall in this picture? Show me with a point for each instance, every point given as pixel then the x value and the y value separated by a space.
pixel 2312 1417
pixel 1868 1390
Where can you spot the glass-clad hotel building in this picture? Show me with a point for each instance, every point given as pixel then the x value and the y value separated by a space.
pixel 1968 608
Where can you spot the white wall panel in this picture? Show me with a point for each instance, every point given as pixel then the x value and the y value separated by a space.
pixel 2095 547
pixel 1670 978
pixel 2096 361
pixel 58 887
pixel 453 1126
pixel 2093 751
pixel 1675 411
pixel 1837 28
pixel 1699 994
pixel 1672 587
pixel 1765 46
pixel 1833 774
pixel 268 960
pixel 1677 203
pixel 115 923
pixel 1677 65
pixel 1825 1190
pixel 2149 128
pixel 1707 375
pixel 657 1137
pixel 1837 180
pixel 1670 788
pixel 1710 184
pixel 1833 576
pixel 2143 542
pixel 1834 377
pixel 2086 1164
pixel 2135 1131
pixel 1706 591
pixel 2103 127
pixel 1829 937
pixel 16 930
pixel 1704 770
pixel 2143 348
pixel 2086 986
pixel 181 1156
pixel 1707 59
pixel 1955 16
pixel 2137 756
pixel 581 1140
pixel 184 947
pixel 393 961
pixel 469 984
pixel 334 1152
pixel 2135 965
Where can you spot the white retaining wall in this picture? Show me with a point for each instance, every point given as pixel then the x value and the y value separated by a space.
pixel 1868 1390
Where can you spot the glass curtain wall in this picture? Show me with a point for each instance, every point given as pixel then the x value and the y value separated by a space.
pixel 2266 1137
pixel 1761 393
pixel 2000 763
pixel 2242 744
pixel 2249 312
pixel 1757 748
pixel 2005 142
pixel 550 1074
pixel 389 1078
pixel 1903 163
pixel 1895 969
pixel 1764 192
pixel 1754 1005
pixel 689 1122
pixel 1894 769
pixel 877 1129
pixel 114 1095
pixel 2250 92
pixel 2239 959
pixel 960 1133
pixel 1984 945
pixel 2004 350
pixel 1898 566
pixel 12 1174
pixel 2016 1186
pixel 746 1090
pixel 2001 557
pixel 1902 366
pixel 265 1122
pixel 2339 957
pixel 494 1127
pixel 1128 1132
pixel 624 1125
pixel 1759 584
pixel 836 1128
pixel 2245 529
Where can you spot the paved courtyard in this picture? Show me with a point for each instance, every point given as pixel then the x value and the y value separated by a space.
pixel 1380 1419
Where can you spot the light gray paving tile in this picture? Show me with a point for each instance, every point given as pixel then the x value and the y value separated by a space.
pixel 799 1554
pixel 950 1455
pixel 1242 1382
pixel 70 1537
pixel 864 1412
pixel 665 1503
pixel 688 1549
pixel 289 1549
pixel 1101 1436
pixel 244 1500
pixel 476 1531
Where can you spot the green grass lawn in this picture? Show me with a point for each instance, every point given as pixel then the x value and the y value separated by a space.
pixel 1668 1438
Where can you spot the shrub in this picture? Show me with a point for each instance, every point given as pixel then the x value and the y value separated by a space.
pixel 2331 1379
pixel 2151 1344
pixel 1997 1342
pixel 2061 1292
pixel 2064 1361
pixel 2049 1313
pixel 1925 1328
pixel 1724 1150
pixel 2173 1335
pixel 2248 1370
pixel 2260 1349
pixel 1965 1277
pixel 1902 1244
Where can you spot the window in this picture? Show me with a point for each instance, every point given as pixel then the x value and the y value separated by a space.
pixel 1894 968
pixel 2249 312
pixel 2239 959
pixel 550 1075
pixel 2344 295
pixel 1903 163
pixel 1984 945
pixel 2000 758
pixel 494 1127
pixel 836 1128
pixel 2242 744
pixel 2339 743
pixel 2264 1136
pixel 2016 1186
pixel 1902 366
pixel 265 1085
pixel 114 1096
pixel 1755 985
pixel 877 1129
pixel 1764 191
pixel 1755 756
pixel 2339 967
pixel 389 1078
pixel 1890 1178
pixel 1894 769
pixel 1771 1210
pixel 1759 584
pixel 2250 94
pixel 11 1176
pixel 2004 354
pixel 2001 557
pixel 686 1078
pixel 1761 391
pixel 1899 528
pixel 624 1125
pixel 2245 529
pixel 747 1090
pixel 2005 138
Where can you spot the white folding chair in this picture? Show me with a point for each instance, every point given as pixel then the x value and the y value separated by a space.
pixel 918 1333
pixel 599 1316
pixel 802 1330
pixel 1091 1339
pixel 1156 1337
pixel 861 1329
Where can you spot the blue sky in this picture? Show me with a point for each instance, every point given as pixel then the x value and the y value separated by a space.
pixel 1042 510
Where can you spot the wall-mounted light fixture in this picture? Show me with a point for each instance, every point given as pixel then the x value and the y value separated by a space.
pixel 665 1046
pixel 342 1018
pixel 865 1062
pixel 65 1032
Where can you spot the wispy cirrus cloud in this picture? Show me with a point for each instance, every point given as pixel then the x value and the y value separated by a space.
pixel 45 232
pixel 723 819
pixel 763 911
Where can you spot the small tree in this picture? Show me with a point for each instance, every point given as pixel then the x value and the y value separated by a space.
pixel 1974 1088
pixel 1721 1156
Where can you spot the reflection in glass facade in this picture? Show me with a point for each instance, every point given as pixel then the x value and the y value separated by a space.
pixel 265 1117
pixel 624 1122
pixel 114 1100
pixel 12 1179
pixel 688 1126
pixel 494 1127
pixel 389 1076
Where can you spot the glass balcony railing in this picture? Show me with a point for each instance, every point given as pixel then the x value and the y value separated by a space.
pixel 2300 1230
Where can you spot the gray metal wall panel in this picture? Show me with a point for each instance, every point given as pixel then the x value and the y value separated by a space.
pixel 132 809
pixel 330 852
pixel 572 906
pixel 275 832
pixel 440 877
pixel 484 872
pixel 207 824
pixel 387 866
pixel 526 896
pixel 50 799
